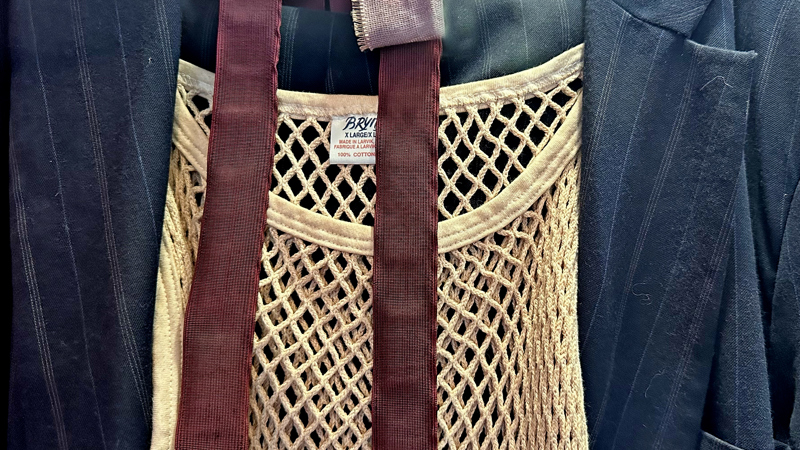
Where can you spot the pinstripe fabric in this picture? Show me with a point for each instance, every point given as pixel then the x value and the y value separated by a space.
pixel 737 408
pixel 670 282
pixel 679 16
pixel 489 38
pixel 784 331
pixel 683 199
pixel 320 52
pixel 5 93
pixel 90 110
pixel 39 325
pixel 772 157
pixel 665 120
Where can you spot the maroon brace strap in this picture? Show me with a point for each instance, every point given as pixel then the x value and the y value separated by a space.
pixel 220 315
pixel 405 248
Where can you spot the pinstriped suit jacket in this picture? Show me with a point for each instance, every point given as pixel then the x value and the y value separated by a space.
pixel 684 129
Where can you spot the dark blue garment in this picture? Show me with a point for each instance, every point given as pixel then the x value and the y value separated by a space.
pixel 319 51
pixel 785 331
pixel 5 312
pixel 672 266
pixel 664 127
pixel 772 158
pixel 92 95
pixel 737 408
pixel 772 28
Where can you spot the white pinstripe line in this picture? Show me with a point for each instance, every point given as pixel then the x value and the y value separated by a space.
pixel 524 30
pixel 716 259
pixel 165 40
pixel 678 19
pixel 133 121
pixel 663 169
pixel 37 312
pixel 774 39
pixel 601 412
pixel 126 329
pixel 597 129
pixel 606 92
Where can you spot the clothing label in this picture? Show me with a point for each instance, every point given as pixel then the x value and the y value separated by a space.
pixel 353 139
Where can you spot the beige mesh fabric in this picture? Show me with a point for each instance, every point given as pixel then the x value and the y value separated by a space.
pixel 507 354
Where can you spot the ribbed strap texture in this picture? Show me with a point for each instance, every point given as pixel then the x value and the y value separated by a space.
pixel 405 264
pixel 219 325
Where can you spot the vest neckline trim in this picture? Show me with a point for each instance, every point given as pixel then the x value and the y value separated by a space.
pixel 459 231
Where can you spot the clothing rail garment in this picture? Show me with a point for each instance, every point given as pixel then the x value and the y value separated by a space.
pixel 92 95
pixel 772 160
pixel 5 94
pixel 149 32
pixel 690 165
pixel 637 70
pixel 379 323
pixel 507 248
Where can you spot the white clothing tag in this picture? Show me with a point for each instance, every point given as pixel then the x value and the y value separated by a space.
pixel 353 139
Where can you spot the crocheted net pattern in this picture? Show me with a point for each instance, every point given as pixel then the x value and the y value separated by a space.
pixel 507 354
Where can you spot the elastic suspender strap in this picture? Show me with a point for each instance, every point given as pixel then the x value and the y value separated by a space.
pixel 405 249
pixel 219 323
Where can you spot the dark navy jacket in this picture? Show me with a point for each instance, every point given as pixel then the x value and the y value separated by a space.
pixel 688 232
